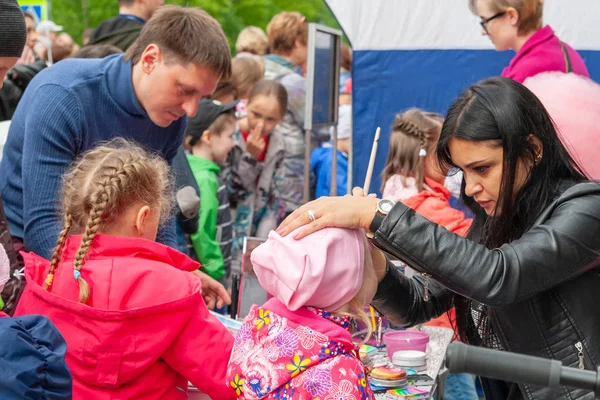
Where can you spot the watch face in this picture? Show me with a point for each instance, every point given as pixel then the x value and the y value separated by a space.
pixel 386 206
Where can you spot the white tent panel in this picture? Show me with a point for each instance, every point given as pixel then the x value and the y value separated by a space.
pixel 449 24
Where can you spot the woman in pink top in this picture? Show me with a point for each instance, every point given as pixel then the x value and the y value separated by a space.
pixel 517 25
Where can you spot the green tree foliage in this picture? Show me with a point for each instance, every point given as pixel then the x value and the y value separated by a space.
pixel 77 15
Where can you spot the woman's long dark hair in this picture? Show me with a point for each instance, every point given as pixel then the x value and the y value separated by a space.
pixel 503 111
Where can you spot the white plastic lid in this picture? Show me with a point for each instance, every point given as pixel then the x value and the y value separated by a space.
pixel 411 356
pixel 410 364
pixel 417 369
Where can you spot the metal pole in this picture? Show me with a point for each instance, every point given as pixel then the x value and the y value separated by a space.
pixel 307 146
pixel 333 189
pixel 351 150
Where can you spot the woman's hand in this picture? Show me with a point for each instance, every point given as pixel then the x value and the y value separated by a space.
pixel 352 212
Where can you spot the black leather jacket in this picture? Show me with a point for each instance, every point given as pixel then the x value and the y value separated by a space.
pixel 541 290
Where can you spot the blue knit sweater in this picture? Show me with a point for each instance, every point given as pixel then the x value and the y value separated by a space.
pixel 66 110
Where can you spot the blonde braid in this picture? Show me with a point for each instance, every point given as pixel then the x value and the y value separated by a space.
pixel 101 200
pixel 102 184
pixel 56 255
pixel 91 230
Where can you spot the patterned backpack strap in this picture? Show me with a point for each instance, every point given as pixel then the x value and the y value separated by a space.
pixel 569 66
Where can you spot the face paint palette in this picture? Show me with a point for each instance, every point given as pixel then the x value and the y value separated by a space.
pixel 379 383
pixel 366 351
pixel 388 377
pixel 388 374
pixel 365 348
pixel 411 392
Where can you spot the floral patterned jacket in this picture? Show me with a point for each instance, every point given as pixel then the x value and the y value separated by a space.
pixel 304 354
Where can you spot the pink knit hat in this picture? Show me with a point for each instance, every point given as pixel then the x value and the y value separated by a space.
pixel 323 270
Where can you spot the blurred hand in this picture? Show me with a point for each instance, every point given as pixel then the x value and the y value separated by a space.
pixel 213 292
pixel 359 192
pixel 255 144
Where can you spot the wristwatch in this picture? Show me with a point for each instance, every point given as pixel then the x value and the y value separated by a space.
pixel 383 209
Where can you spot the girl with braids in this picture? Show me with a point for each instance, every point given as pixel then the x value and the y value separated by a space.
pixel 131 312
pixel 412 176
pixel 413 133
pixel 412 166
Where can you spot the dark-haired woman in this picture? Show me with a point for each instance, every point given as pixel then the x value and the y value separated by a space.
pixel 526 279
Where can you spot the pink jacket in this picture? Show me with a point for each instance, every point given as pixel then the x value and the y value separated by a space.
pixel 281 354
pixel 543 53
pixel 146 330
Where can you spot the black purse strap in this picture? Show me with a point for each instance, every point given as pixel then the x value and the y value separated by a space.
pixel 569 67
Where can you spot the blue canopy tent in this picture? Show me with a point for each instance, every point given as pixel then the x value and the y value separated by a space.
pixel 425 53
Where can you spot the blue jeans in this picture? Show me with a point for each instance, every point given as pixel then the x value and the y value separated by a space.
pixel 460 387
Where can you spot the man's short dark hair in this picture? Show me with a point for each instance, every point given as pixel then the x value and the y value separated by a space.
pixel 187 35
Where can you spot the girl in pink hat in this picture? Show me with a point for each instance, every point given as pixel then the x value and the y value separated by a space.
pixel 298 344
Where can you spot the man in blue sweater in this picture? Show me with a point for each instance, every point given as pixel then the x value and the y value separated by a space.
pixel 13 37
pixel 143 96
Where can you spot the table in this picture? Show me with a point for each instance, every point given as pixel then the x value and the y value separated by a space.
pixel 439 339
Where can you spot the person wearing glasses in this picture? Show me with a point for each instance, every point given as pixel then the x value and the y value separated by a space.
pixel 518 25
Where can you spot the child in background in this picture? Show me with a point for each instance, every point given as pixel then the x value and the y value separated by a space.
pixel 346 67
pixel 209 137
pixel 412 176
pixel 131 312
pixel 254 165
pixel 321 161
pixel 321 158
pixel 224 93
pixel 252 41
pixel 412 167
pixel 298 344
pixel 245 73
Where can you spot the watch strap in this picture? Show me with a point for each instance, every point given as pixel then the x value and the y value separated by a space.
pixel 376 222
